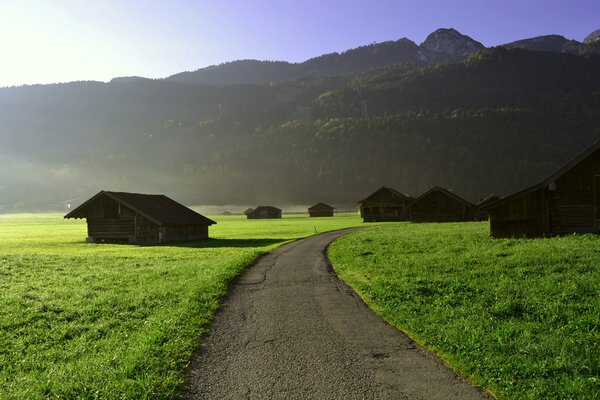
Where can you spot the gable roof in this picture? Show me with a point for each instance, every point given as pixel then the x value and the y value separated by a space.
pixel 321 206
pixel 394 192
pixel 158 208
pixel 489 199
pixel 445 192
pixel 557 174
pixel 266 208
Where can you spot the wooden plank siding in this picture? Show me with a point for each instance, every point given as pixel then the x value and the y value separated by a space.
pixel 384 213
pixel 528 216
pixel 384 205
pixel 111 228
pixel 566 202
pixel 140 219
pixel 439 205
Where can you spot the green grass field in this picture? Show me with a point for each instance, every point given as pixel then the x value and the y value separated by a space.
pixel 521 317
pixel 81 320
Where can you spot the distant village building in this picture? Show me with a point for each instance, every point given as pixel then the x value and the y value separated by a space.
pixel 140 219
pixel 385 204
pixel 441 205
pixel 320 210
pixel 568 201
pixel 263 212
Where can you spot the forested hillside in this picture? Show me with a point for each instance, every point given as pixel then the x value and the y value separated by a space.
pixel 494 123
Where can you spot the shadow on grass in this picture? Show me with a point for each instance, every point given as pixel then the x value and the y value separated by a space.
pixel 215 243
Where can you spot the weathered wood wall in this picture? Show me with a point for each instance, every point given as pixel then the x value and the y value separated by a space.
pixel 320 213
pixel 438 207
pixel 570 204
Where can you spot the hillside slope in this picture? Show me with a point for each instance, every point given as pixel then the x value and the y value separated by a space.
pixel 499 121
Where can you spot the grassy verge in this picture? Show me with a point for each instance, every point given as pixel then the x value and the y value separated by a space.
pixel 105 321
pixel 518 316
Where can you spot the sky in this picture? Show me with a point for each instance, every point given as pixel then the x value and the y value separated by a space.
pixel 50 41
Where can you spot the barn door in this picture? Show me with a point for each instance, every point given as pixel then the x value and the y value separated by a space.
pixel 597 197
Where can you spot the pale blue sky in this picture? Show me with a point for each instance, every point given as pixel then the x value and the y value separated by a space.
pixel 45 41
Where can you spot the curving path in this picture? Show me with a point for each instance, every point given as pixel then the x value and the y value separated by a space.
pixel 291 330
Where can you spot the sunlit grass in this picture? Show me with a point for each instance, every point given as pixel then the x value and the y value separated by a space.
pixel 521 317
pixel 80 320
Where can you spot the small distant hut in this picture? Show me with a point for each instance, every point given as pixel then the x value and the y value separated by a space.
pixel 385 204
pixel 120 217
pixel 568 201
pixel 321 210
pixel 263 212
pixel 441 205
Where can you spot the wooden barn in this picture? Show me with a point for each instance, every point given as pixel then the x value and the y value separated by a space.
pixel 568 201
pixel 320 210
pixel 263 212
pixel 140 219
pixel 385 204
pixel 441 205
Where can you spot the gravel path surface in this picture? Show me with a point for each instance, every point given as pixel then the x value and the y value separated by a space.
pixel 291 330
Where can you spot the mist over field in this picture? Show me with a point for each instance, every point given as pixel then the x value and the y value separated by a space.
pixel 333 128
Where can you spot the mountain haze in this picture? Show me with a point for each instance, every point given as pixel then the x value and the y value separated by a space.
pixel 333 128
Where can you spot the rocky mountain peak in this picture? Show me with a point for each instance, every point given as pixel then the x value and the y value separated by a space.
pixel 447 44
pixel 592 37
pixel 554 43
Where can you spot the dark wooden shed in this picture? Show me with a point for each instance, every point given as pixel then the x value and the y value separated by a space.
pixel 263 212
pixel 321 210
pixel 483 214
pixel 441 205
pixel 488 200
pixel 568 201
pixel 140 219
pixel 385 204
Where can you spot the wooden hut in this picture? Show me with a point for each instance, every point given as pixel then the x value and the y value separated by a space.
pixel 385 204
pixel 484 202
pixel 264 212
pixel 140 219
pixel 488 200
pixel 441 205
pixel 320 210
pixel 568 201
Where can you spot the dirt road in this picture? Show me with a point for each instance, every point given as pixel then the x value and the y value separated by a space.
pixel 291 330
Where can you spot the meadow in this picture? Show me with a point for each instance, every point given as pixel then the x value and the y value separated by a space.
pixel 103 321
pixel 518 316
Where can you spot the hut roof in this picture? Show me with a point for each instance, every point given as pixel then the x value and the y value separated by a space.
pixel 158 208
pixel 266 208
pixel 551 178
pixel 321 206
pixel 487 200
pixel 445 192
pixel 394 192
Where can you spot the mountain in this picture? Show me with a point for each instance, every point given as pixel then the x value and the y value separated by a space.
pixel 559 44
pixel 447 45
pixel 260 72
pixel 443 45
pixel 500 120
pixel 555 43
pixel 592 37
pixel 123 79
